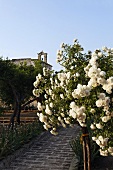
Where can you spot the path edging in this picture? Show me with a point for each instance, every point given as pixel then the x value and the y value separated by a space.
pixel 74 163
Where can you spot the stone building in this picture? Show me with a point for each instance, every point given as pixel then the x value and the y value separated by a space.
pixel 41 56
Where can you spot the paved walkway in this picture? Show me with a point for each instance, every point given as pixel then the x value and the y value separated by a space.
pixel 47 152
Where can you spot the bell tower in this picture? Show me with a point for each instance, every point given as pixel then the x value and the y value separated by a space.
pixel 42 56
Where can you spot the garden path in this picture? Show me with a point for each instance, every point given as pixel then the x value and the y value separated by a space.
pixel 47 152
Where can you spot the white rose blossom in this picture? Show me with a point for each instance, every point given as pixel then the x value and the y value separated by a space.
pixel 62 96
pixel 99 126
pixel 39 106
pixel 92 126
pixel 106 118
pixel 92 111
pixel 103 152
pixel 42 118
pixel 94 138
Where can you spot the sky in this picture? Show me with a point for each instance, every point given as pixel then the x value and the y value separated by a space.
pixel 29 26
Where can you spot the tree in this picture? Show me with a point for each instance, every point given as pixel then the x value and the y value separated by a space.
pixel 16 84
pixel 81 92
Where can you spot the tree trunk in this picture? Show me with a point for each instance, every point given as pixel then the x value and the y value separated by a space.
pixel 18 114
pixel 14 114
pixel 86 149
pixel 16 106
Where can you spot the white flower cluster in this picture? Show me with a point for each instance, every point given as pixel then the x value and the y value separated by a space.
pixel 103 101
pixel 37 92
pixel 42 117
pixel 41 79
pixel 103 152
pixel 110 150
pixel 108 85
pixel 64 78
pixel 38 80
pixel 48 110
pixel 93 126
pixel 59 56
pixel 107 50
pixel 39 106
pixel 63 121
pixel 96 75
pixel 45 116
pixel 78 113
pixel 103 142
pixel 81 91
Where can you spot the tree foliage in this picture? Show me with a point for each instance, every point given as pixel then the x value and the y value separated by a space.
pixel 16 83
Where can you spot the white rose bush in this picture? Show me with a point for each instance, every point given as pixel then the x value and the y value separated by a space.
pixel 82 92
